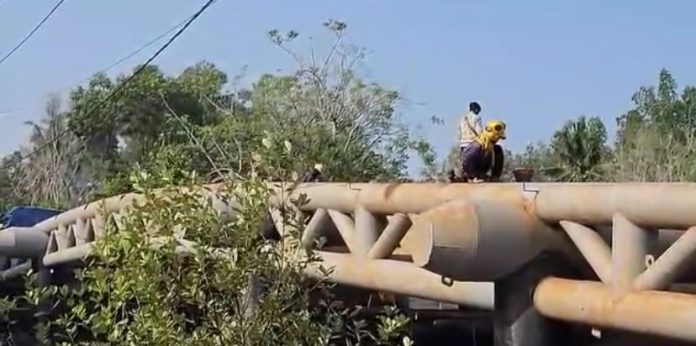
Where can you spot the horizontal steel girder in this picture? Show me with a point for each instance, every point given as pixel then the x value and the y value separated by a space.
pixel 652 312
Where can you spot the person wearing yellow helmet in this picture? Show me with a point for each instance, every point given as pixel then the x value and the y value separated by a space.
pixel 485 154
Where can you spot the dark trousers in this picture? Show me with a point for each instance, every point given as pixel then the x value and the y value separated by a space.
pixel 494 162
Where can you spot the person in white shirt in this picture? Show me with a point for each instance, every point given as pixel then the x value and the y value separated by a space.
pixel 470 127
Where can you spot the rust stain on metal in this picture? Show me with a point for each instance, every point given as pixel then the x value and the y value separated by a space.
pixel 653 312
pixel 389 190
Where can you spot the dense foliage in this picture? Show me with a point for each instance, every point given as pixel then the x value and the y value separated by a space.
pixel 201 120
pixel 172 270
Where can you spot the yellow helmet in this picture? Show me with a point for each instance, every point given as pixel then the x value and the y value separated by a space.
pixel 496 128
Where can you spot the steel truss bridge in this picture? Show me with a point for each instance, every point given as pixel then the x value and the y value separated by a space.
pixel 614 257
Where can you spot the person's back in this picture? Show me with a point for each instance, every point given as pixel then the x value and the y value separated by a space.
pixel 470 125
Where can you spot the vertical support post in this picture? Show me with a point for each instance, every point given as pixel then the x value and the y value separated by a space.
pixel 44 278
pixel 367 228
pixel 516 322
pixel 630 245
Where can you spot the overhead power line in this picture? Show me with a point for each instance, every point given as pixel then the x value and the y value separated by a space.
pixel 31 33
pixel 122 59
pixel 123 85
pixel 143 47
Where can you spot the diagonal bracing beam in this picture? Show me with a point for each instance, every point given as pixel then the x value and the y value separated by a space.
pixel 389 240
pixel 670 264
pixel 367 228
pixel 592 247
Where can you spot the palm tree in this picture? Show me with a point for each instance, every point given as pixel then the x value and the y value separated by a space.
pixel 580 148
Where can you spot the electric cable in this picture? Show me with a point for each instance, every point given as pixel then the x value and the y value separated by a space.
pixel 31 33
pixel 122 59
pixel 143 47
pixel 122 86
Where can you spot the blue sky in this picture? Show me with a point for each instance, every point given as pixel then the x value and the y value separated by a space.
pixel 533 64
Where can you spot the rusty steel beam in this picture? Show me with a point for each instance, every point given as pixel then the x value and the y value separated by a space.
pixel 650 205
pixel 665 239
pixel 390 238
pixel 390 199
pixel 476 240
pixel 401 278
pixel 367 227
pixel 346 227
pixel 657 205
pixel 630 246
pixel 670 265
pixel 668 205
pixel 652 312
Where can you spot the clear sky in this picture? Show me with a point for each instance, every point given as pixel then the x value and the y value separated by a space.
pixel 534 64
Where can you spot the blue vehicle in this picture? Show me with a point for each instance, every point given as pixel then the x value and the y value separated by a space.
pixel 27 216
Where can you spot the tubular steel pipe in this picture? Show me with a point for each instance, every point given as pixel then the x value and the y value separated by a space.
pixel 367 228
pixel 22 242
pixel 657 205
pixel 346 227
pixel 665 237
pixel 111 204
pixel 381 198
pixel 401 278
pixel 75 253
pixel 630 245
pixel 652 205
pixel 592 247
pixel 18 270
pixel 209 195
pixel 475 240
pixel 659 313
pixel 389 240
pixel 672 263
pixel 319 222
